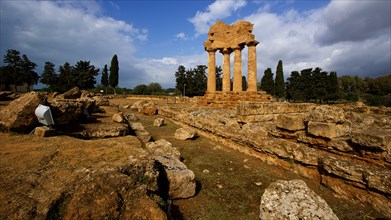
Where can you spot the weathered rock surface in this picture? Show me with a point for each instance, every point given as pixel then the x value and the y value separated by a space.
pixel 293 200
pixel 71 111
pixel 67 178
pixel 118 117
pixel 142 134
pixel 184 134
pixel 328 130
pixel 163 148
pixel 19 115
pixel 181 180
pixel 73 93
pixel 147 108
pixel 101 100
pixel 292 122
pixel 130 117
pixel 158 122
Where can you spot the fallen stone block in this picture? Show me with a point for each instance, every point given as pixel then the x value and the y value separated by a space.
pixel 19 115
pixel 181 180
pixel 158 122
pixel 184 134
pixel 162 148
pixel 142 134
pixel 118 117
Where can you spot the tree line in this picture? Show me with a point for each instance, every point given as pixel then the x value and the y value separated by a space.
pixel 19 70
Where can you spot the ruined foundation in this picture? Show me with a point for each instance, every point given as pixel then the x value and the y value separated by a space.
pixel 346 148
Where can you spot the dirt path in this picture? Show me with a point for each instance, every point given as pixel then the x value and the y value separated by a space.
pixel 230 184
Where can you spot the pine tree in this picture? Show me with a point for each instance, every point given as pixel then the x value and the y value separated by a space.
pixel 267 82
pixel 49 76
pixel 114 72
pixel 279 82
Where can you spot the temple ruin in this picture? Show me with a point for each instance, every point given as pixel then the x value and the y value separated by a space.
pixel 227 39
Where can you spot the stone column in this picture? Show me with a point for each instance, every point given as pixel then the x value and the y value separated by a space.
pixel 211 88
pixel 252 67
pixel 237 87
pixel 226 71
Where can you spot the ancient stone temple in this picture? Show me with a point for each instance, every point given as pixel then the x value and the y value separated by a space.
pixel 229 39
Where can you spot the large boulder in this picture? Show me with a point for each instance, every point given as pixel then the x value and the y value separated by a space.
pixel 293 200
pixel 184 134
pixel 147 108
pixel 19 115
pixel 71 111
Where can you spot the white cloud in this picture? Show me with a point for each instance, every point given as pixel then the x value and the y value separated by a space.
pixel 218 10
pixel 181 36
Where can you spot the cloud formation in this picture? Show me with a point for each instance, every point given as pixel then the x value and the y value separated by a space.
pixel 217 10
pixel 65 31
pixel 350 37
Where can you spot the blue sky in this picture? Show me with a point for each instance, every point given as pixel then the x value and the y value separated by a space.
pixel 152 38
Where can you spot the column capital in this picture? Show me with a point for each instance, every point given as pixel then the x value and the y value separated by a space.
pixel 252 43
pixel 211 50
pixel 226 51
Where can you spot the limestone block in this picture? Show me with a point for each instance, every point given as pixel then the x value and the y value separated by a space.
pixel 149 109
pixel 328 130
pixel 181 180
pixel 326 113
pixel 142 134
pixel 101 101
pixel 378 179
pixel 118 117
pixel 375 139
pixel 162 148
pixel 158 122
pixel 130 117
pixel 184 134
pixel 343 168
pixel 19 115
pixel 293 200
pixel 291 122
pixel 73 93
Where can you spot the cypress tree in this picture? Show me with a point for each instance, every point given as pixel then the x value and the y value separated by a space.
pixel 113 78
pixel 279 82
pixel 105 76
pixel 267 82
